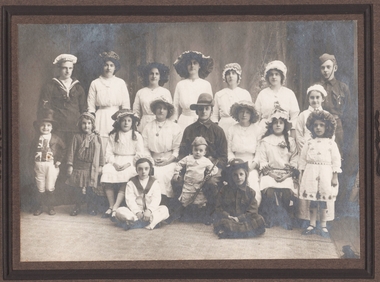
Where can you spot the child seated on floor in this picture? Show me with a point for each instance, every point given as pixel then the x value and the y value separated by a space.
pixel 143 197
pixel 240 220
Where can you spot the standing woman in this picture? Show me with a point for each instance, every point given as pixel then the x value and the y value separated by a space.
pixel 243 139
pixel 154 76
pixel 193 66
pixel 162 138
pixel 65 96
pixel 107 94
pixel 226 97
pixel 276 96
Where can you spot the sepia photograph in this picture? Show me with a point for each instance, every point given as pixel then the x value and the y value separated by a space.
pixel 157 141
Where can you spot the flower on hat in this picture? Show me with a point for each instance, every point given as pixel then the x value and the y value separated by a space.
pixel 110 54
pixel 232 66
pixel 65 58
pixel 317 87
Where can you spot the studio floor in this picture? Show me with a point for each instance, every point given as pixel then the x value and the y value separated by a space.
pixel 91 238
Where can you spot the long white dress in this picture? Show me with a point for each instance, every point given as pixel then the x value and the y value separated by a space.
pixel 121 152
pixel 284 97
pixel 106 97
pixel 242 144
pixel 224 99
pixel 162 140
pixel 143 99
pixel 186 93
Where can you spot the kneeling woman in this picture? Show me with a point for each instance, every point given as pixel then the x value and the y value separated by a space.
pixel 236 209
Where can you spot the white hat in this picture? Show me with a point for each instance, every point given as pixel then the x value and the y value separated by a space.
pixel 278 65
pixel 317 87
pixel 65 58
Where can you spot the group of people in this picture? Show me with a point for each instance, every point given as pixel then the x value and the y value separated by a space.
pixel 219 159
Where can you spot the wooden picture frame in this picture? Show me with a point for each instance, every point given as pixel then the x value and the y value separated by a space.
pixel 55 12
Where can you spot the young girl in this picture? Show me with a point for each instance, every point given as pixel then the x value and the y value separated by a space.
pixel 143 197
pixel 319 164
pixel 123 144
pixel 237 220
pixel 278 161
pixel 85 162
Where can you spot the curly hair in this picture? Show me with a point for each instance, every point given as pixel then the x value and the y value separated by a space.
pixel 81 118
pixel 279 71
pixel 144 71
pixel 285 132
pixel 327 118
pixel 106 59
pixel 116 127
pixel 234 112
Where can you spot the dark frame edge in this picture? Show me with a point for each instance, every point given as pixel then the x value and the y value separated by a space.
pixel 6 139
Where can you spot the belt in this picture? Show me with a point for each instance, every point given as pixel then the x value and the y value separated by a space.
pixel 319 163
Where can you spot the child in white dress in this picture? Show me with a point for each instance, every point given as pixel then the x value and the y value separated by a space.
pixel 319 164
pixel 123 144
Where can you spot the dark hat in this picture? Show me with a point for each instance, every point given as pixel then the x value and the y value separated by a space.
pixel 46 115
pixel 325 57
pixel 111 56
pixel 199 141
pixel 162 100
pixel 235 108
pixel 204 99
pixel 234 165
pixel 206 63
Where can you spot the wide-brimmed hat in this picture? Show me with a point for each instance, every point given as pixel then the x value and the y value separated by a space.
pixel 326 117
pixel 232 66
pixel 317 87
pixel 204 99
pixel 123 113
pixel 65 58
pixel 206 63
pixel 325 57
pixel 111 56
pixel 46 115
pixel 162 100
pixel 236 107
pixel 199 141
pixel 280 114
pixel 276 65
pixel 143 71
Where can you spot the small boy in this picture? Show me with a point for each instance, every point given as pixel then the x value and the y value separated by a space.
pixel 316 95
pixel 47 152
pixel 338 99
pixel 197 166
pixel 143 197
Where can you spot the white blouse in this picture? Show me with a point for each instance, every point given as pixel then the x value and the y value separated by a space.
pixel 243 140
pixel 125 146
pixel 144 98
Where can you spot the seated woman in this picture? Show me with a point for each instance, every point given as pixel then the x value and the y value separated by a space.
pixel 234 220
pixel 162 138
pixel 243 139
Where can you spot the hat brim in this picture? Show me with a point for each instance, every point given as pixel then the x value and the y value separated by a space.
pixel 235 108
pixel 206 64
pixel 154 104
pixel 194 107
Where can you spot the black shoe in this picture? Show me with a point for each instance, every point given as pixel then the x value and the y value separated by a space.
pixel 107 213
pixel 92 212
pixel 38 211
pixel 75 212
pixel 51 211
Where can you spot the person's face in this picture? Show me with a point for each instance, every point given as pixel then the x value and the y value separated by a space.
pixel 46 128
pixel 199 151
pixel 109 69
pixel 66 70
pixel 232 78
pixel 204 112
pixel 315 99
pixel 161 112
pixel 328 69
pixel 238 176
pixel 278 127
pixel 244 115
pixel 193 67
pixel 143 170
pixel 274 77
pixel 86 126
pixel 126 123
pixel 319 128
pixel 154 76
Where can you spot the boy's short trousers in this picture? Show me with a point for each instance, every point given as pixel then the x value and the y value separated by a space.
pixel 46 175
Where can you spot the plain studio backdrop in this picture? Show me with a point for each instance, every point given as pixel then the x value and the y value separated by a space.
pixel 251 44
